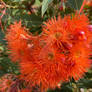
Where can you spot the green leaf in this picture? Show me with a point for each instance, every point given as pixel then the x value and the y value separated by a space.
pixel 2 37
pixel 37 3
pixel 85 83
pixel 45 4
pixel 16 0
pixel 75 4
pixel 31 20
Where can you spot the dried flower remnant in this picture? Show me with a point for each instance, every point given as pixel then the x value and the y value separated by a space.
pixel 6 82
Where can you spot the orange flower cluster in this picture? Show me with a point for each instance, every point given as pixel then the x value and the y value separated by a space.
pixel 60 53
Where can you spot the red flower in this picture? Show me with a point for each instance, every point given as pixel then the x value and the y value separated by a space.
pixel 89 3
pixel 58 54
pixel 25 90
pixel 78 61
pixel 69 37
pixel 18 40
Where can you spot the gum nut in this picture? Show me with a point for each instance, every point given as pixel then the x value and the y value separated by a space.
pixel 90 27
